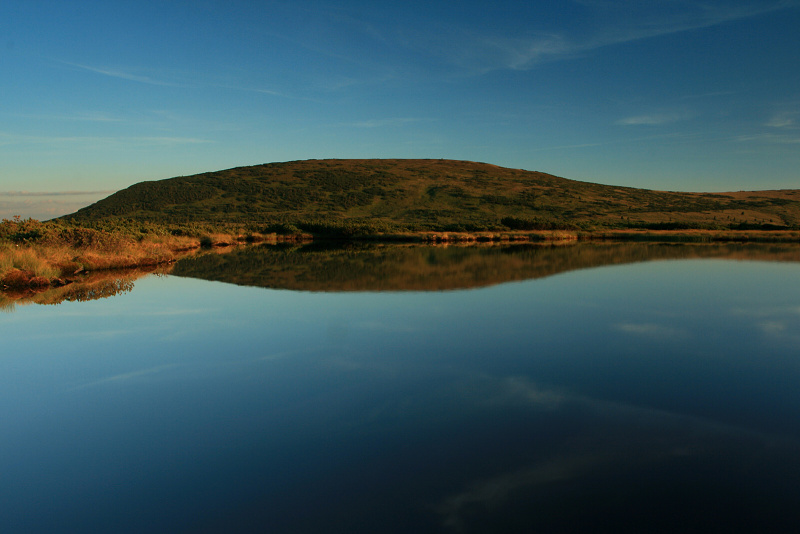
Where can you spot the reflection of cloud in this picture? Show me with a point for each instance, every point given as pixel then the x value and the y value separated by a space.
pixel 125 376
pixel 775 321
pixel 772 327
pixel 492 491
pixel 381 326
pixel 649 329
pixel 518 389
pixel 177 312
pixel 767 311
pixel 613 435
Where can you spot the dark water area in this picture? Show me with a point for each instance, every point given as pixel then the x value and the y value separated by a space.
pixel 588 388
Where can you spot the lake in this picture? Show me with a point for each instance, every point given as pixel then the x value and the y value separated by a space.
pixel 306 389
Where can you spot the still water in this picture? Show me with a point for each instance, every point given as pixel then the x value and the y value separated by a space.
pixel 413 390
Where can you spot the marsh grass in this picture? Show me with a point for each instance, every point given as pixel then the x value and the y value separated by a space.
pixel 26 259
pixel 36 254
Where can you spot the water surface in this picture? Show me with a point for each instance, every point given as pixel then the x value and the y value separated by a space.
pixel 635 396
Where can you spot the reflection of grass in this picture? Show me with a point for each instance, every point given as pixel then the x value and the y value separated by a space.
pixel 91 286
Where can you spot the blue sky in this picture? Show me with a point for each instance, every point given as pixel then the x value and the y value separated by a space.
pixel 665 94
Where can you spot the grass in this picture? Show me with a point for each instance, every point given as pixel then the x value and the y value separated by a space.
pixel 25 259
pixel 34 253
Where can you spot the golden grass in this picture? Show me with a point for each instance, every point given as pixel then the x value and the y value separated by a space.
pixel 39 264
pixel 26 259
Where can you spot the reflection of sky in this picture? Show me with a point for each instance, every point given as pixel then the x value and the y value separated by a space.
pixel 185 387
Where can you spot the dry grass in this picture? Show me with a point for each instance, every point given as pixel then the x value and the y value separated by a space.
pixel 22 265
pixel 25 258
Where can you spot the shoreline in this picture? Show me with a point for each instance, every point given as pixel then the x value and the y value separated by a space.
pixel 40 267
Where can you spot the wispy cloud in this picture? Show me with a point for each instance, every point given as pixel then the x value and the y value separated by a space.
pixel 672 137
pixel 566 147
pixel 381 123
pixel 656 119
pixel 43 206
pixel 627 22
pixel 86 117
pixel 53 193
pixel 123 75
pixel 784 120
pixel 713 94
pixel 10 138
pixel 260 90
pixel 769 138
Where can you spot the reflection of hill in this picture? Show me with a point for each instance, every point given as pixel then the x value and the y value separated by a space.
pixel 427 268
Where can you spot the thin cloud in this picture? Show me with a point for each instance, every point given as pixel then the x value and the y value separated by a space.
pixel 653 120
pixel 784 120
pixel 567 147
pixel 712 94
pixel 270 92
pixel 675 137
pixel 53 193
pixel 9 138
pixel 769 138
pixel 89 117
pixel 489 53
pixel 380 123
pixel 694 17
pixel 123 75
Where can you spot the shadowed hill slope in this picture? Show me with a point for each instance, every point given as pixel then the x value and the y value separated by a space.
pixel 396 194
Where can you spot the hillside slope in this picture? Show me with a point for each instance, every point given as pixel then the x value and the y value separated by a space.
pixel 430 195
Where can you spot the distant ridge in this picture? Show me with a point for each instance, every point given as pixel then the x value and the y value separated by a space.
pixel 426 194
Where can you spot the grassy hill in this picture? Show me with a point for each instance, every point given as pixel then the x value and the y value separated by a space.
pixel 421 195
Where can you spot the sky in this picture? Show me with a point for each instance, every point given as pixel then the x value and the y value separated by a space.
pixel 664 94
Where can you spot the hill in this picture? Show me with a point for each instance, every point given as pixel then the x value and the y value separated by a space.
pixel 416 195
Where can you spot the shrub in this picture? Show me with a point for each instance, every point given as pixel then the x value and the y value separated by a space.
pixel 520 223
